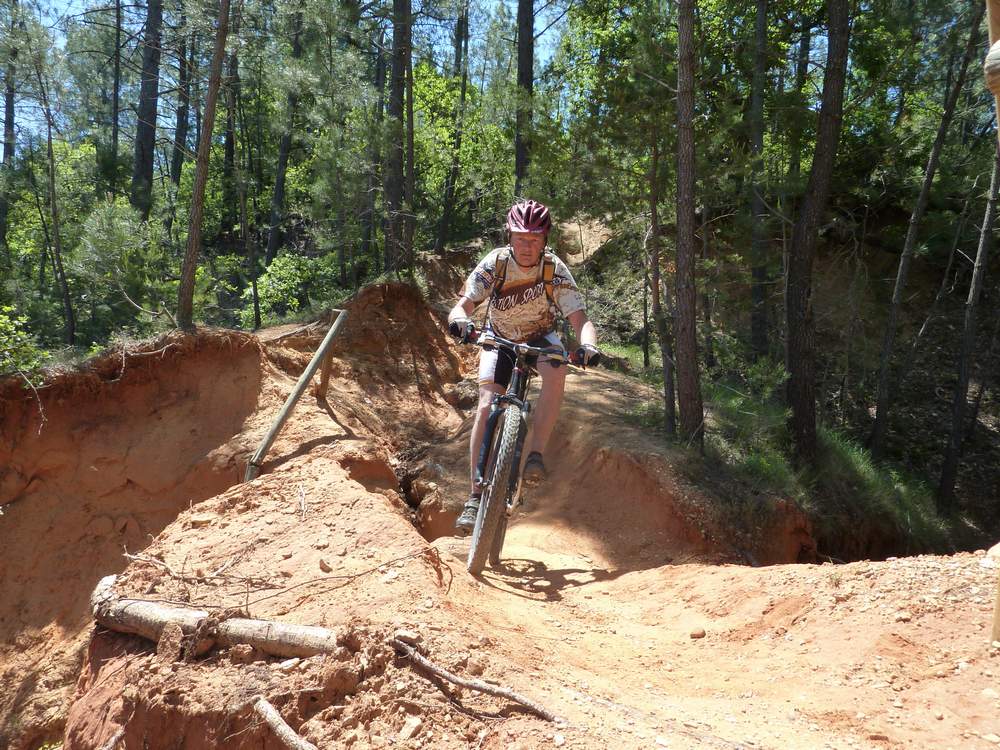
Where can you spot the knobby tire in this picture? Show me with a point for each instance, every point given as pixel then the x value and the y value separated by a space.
pixel 493 507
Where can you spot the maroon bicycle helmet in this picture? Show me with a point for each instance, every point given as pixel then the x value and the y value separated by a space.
pixel 529 216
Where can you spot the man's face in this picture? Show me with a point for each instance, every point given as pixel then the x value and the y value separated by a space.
pixel 527 247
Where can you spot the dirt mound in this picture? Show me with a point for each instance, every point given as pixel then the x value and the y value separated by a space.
pixel 102 460
pixel 106 457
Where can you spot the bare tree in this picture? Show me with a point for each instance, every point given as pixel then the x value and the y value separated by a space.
pixel 525 87
pixel 800 355
pixel 883 397
pixel 653 256
pixel 758 242
pixel 185 301
pixel 374 152
pixel 8 131
pixel 284 148
pixel 60 274
pixel 145 135
pixel 688 382
pixel 461 65
pixel 395 140
pixel 949 471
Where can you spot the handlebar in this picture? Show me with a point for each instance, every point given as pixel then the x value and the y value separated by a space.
pixel 490 340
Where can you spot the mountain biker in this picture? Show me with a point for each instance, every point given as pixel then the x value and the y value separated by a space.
pixel 524 282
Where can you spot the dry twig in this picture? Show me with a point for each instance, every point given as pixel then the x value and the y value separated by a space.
pixel 285 733
pixel 478 685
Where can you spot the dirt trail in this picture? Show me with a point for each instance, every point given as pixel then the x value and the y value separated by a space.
pixel 618 564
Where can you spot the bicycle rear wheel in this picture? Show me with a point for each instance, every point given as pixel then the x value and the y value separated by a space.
pixel 493 507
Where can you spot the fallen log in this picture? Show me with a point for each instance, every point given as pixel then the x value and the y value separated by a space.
pixel 147 619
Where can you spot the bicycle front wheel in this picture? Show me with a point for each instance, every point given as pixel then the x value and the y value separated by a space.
pixel 493 507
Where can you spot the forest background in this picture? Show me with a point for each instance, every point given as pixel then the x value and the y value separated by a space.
pixel 797 201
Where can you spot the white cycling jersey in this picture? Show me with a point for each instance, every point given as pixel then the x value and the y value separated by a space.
pixel 521 310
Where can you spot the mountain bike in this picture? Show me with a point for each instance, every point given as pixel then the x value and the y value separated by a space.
pixel 498 469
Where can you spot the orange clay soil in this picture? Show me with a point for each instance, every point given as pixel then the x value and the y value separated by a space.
pixel 622 606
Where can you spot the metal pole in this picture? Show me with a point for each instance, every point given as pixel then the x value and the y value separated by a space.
pixel 253 468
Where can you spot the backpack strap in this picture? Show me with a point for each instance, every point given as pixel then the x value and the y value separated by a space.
pixel 500 272
pixel 548 275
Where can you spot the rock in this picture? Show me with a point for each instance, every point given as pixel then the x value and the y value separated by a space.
pixel 241 653
pixel 698 633
pixel 286 554
pixel 990 693
pixel 168 648
pixel 558 740
pixel 289 665
pixel 325 566
pixel 199 520
pixel 903 617
pixel 100 526
pixel 411 728
pixel 994 551
pixel 476 666
pixel 662 742
pixel 992 738
pixel 939 715
pixel 408 636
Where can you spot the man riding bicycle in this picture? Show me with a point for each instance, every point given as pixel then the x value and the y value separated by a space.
pixel 525 284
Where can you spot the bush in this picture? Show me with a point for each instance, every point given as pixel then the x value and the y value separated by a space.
pixel 18 351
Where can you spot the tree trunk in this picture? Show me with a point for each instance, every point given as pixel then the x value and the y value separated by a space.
pixel 461 63
pixel 284 147
pixel 183 108
pixel 949 471
pixel 375 153
pixel 8 136
pixel 185 302
pixel 798 293
pixel 758 242
pixel 688 384
pixel 525 87
pixel 653 254
pixel 395 140
pixel 645 311
pixel 230 200
pixel 234 104
pixel 47 247
pixel 883 398
pixel 145 136
pixel 801 72
pixel 941 292
pixel 706 297
pixel 116 97
pixel 409 197
pixel 68 316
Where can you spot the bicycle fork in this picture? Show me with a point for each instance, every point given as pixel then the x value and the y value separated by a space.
pixel 514 489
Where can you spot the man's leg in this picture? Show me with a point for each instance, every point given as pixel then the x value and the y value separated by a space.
pixel 546 409
pixel 486 393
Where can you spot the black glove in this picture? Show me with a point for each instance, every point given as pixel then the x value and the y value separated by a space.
pixel 462 329
pixel 587 356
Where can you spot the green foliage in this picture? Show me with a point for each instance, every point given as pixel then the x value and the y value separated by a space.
pixel 293 283
pixel 18 351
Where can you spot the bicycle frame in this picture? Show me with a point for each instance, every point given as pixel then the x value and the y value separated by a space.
pixel 516 396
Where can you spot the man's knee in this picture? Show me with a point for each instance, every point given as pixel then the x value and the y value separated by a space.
pixel 552 374
pixel 486 394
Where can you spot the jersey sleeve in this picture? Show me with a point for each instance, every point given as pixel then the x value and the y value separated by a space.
pixel 480 282
pixel 565 290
